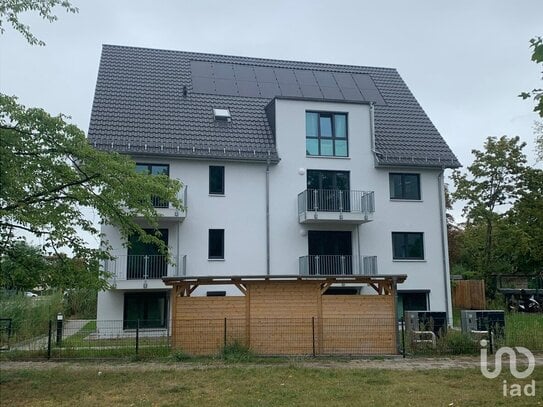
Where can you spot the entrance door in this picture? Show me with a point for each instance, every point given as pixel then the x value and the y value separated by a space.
pixel 144 259
pixel 332 190
pixel 330 252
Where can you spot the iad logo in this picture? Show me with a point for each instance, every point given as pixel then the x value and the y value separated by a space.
pixel 515 389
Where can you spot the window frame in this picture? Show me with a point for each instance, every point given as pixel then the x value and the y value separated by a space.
pixel 157 203
pixel 406 244
pixel 333 138
pixel 209 236
pixel 222 180
pixel 403 189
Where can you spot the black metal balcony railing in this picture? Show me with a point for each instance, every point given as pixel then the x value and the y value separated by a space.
pixel 337 265
pixel 144 267
pixel 335 200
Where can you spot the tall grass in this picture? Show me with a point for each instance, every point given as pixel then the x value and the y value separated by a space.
pixel 29 316
pixel 80 303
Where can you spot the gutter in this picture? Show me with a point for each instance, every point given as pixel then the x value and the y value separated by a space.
pixel 445 253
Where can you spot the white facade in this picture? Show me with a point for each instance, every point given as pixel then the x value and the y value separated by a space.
pixel 241 212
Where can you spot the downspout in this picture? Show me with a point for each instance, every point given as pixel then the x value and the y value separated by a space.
pixel 445 254
pixel 268 217
pixel 372 129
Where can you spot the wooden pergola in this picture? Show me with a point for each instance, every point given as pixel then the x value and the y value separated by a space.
pixel 371 319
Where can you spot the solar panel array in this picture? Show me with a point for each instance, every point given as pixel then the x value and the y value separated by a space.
pixel 268 82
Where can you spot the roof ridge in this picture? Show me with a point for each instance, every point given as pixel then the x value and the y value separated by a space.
pixel 253 60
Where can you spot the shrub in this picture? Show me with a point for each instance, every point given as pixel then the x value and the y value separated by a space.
pixel 236 352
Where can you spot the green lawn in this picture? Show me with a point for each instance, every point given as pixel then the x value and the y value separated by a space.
pixel 244 385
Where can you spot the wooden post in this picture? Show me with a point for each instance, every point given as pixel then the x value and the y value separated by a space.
pixel 248 316
pixel 319 320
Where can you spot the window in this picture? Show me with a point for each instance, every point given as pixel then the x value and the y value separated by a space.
pixel 326 134
pixel 407 246
pixel 404 186
pixel 216 244
pixel 155 169
pixel 216 180
pixel 150 309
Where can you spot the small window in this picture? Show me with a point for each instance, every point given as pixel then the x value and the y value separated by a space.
pixel 222 115
pixel 326 134
pixel 404 186
pixel 216 244
pixel 216 180
pixel 407 246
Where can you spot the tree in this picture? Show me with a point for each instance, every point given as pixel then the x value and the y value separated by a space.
pixel 11 9
pixel 493 181
pixel 537 94
pixel 49 172
pixel 25 267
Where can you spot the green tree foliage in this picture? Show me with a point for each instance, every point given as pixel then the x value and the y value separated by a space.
pixel 24 268
pixel 493 181
pixel 11 9
pixel 49 172
pixel 537 94
pixel 504 199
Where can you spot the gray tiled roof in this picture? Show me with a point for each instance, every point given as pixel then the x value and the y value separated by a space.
pixel 139 107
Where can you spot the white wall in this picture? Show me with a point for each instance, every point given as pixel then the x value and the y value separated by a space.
pixel 241 211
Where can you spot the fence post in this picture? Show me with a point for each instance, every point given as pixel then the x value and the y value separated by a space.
pixel 313 333
pixel 49 339
pixel 60 322
pixel 225 332
pixel 137 337
pixel 402 324
pixel 490 344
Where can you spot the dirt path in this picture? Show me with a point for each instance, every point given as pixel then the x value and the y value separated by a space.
pixel 461 362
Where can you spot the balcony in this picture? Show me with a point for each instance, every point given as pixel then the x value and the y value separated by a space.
pixel 338 265
pixel 144 267
pixel 332 205
pixel 165 209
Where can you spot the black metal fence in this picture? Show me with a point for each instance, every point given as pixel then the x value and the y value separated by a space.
pixel 265 336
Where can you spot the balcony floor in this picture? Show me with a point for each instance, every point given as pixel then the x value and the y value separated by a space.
pixel 355 218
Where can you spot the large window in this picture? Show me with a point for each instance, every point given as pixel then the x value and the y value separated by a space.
pixel 407 246
pixel 326 134
pixel 155 169
pixel 404 186
pixel 149 310
pixel 216 180
pixel 216 244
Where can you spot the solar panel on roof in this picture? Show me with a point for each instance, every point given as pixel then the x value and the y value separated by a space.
pixel 226 87
pixel 203 85
pixel 244 73
pixel 285 76
pixel 290 89
pixel 269 89
pixel 201 68
pixel 331 92
pixel 311 91
pixel 305 77
pixel 351 94
pixel 363 81
pixel 325 78
pixel 372 95
pixel 344 79
pixel 264 74
pixel 248 88
pixel 223 71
